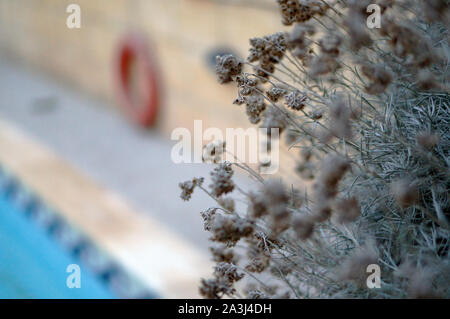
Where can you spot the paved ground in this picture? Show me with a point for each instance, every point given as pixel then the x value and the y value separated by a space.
pixel 99 142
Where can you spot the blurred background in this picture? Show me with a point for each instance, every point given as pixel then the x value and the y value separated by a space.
pixel 85 121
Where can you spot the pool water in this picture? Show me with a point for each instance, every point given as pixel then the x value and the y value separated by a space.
pixel 36 248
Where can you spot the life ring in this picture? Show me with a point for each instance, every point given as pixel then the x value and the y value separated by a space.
pixel 139 100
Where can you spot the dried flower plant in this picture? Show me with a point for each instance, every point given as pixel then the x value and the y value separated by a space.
pixel 370 111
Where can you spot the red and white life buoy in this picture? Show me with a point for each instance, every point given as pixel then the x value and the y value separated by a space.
pixel 138 92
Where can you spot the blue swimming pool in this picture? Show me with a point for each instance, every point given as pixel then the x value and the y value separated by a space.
pixel 37 246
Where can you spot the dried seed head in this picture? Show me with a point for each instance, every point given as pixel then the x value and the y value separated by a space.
pixel 340 120
pixel 227 271
pixel 272 201
pixel 304 55
pixel 276 200
pixel 424 55
pixel 316 115
pixel 268 51
pixel 214 152
pixel 420 279
pixel 187 188
pixel 221 179
pixel 274 119
pixel 297 37
pixel 421 288
pixel 356 27
pixel 347 210
pixel 303 227
pixel 385 4
pixel 333 169
pixel 265 69
pixel 436 10
pixel 322 64
pixel 354 266
pixel 227 203
pixel 274 192
pixel 295 100
pixel 254 108
pixel 322 210
pixel 258 254
pixel 215 288
pixel 258 264
pixel 246 84
pixel 300 11
pixel 229 229
pixel 279 221
pixel 239 100
pixel 404 192
pixel 222 254
pixel 208 216
pixel 406 41
pixel 330 44
pixel 298 41
pixel 257 205
pixel 427 81
pixel 269 48
pixel 289 11
pixel 281 267
pixel 283 294
pixel 428 141
pixel 405 270
pixel 380 77
pixel 275 93
pixel 421 285
pixel 256 294
pixel 227 67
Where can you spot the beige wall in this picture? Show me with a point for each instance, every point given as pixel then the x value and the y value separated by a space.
pixel 181 31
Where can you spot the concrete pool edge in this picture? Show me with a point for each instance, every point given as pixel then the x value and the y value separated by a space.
pixel 34 263
pixel 156 256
